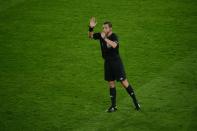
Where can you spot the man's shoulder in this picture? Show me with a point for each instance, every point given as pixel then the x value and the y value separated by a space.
pixel 97 35
pixel 114 35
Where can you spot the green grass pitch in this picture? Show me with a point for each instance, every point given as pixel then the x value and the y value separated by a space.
pixel 51 74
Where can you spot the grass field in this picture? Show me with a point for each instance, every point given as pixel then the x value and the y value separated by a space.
pixel 51 74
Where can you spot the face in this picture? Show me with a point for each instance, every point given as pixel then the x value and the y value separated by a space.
pixel 106 28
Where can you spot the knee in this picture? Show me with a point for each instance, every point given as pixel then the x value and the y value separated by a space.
pixel 125 83
pixel 111 84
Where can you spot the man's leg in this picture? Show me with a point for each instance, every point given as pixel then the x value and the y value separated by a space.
pixel 112 90
pixel 130 91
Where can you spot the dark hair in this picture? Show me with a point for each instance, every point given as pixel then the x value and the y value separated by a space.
pixel 108 23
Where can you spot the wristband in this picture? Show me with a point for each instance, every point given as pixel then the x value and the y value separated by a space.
pixel 91 29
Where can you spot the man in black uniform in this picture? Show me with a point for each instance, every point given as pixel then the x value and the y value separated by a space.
pixel 113 66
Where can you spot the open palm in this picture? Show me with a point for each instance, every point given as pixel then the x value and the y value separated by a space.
pixel 93 22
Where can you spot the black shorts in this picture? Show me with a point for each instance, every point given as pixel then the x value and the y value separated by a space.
pixel 114 70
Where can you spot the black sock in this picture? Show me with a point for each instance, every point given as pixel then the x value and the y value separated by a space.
pixel 113 96
pixel 132 94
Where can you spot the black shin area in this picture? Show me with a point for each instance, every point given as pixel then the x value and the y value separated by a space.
pixel 130 91
pixel 113 96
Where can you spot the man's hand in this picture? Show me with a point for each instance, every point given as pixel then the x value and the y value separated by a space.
pixel 93 22
pixel 103 35
pixel 91 27
pixel 108 42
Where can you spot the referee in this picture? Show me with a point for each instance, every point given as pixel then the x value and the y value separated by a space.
pixel 113 66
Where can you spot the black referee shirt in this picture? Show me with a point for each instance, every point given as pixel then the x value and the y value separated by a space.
pixel 108 52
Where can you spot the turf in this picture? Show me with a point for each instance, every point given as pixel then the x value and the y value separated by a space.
pixel 51 74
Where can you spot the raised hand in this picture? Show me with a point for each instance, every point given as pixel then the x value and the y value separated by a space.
pixel 93 22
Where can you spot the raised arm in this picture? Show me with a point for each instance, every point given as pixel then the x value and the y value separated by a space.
pixel 91 27
pixel 113 44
